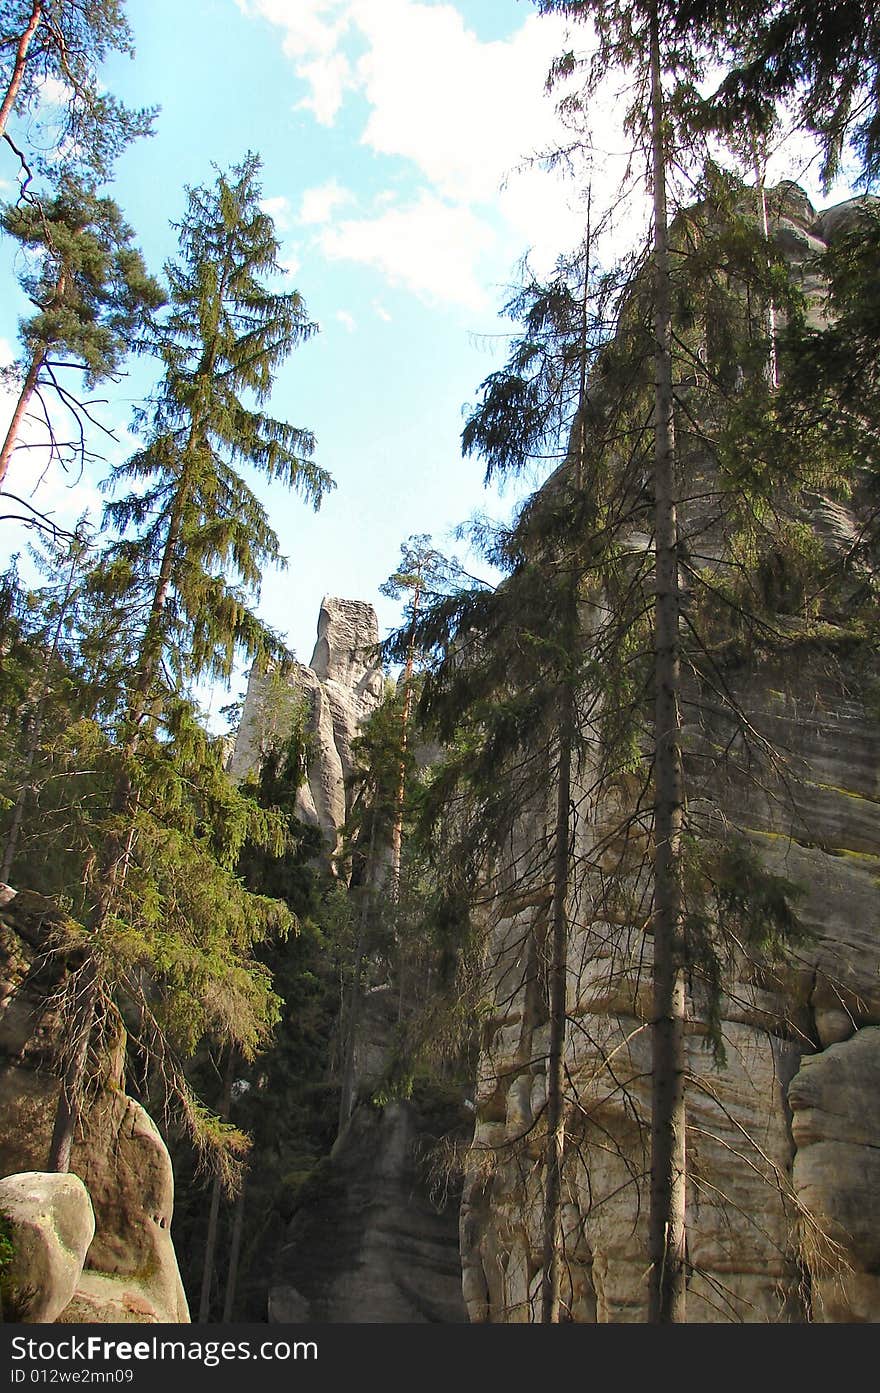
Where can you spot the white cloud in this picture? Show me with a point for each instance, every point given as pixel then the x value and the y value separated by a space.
pixel 313 33
pixel 329 79
pixel 279 211
pixel 462 113
pixel 381 312
pixel 54 91
pixel 346 320
pixel 465 112
pixel 430 247
pixel 319 204
pixel 290 263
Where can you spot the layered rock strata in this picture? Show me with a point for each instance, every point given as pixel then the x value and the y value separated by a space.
pixel 783 1194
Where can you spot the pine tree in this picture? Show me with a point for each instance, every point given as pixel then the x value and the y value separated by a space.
pixel 637 37
pixel 93 295
pixel 821 58
pixel 64 41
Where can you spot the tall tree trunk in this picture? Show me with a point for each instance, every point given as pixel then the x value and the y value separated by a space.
pixel 554 1254
pixel 214 1212
pixel 397 828
pixel 352 1014
pixel 759 160
pixel 667 1250
pixel 235 1252
pixel 21 406
pixel 551 1286
pixel 69 1107
pixel 24 44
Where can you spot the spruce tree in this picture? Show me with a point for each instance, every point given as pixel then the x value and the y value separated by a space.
pixel 422 569
pixel 194 539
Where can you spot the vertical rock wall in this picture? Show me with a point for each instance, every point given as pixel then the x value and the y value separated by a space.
pixel 783 1197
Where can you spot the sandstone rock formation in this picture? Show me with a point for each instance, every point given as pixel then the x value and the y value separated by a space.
pixel 51 1224
pixel 340 688
pixel 784 1185
pixel 130 1271
pixel 372 1245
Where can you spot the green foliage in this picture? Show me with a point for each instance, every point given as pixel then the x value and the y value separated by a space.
pixel 822 58
pixel 201 536
pixel 93 292
pixel 87 127
pixel 737 913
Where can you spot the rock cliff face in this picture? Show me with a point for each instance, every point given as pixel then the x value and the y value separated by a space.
pixel 372 1246
pixel 130 1271
pixel 784 1214
pixel 340 688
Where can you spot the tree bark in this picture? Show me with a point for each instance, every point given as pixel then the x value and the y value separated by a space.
pixel 554 1252
pixel 24 44
pixel 214 1212
pixel 551 1286
pixel 69 1107
pixel 235 1252
pixel 397 828
pixel 772 365
pixel 352 1015
pixel 667 1250
pixel 21 406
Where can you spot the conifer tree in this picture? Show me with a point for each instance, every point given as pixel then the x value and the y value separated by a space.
pixel 194 538
pixel 637 37
pixel 420 571
pixel 93 298
pixel 64 41
pixel 819 57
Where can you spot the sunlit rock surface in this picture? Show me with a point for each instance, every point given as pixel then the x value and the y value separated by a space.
pixel 784 1180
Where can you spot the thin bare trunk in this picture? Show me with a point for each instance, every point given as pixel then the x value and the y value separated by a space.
pixel 69 1107
pixel 772 367
pixel 235 1252
pixel 551 1287
pixel 667 1211
pixel 397 828
pixel 214 1212
pixel 551 1283
pixel 21 52
pixel 352 1014
pixel 21 406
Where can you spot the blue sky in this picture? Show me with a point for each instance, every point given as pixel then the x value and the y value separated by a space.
pixel 392 134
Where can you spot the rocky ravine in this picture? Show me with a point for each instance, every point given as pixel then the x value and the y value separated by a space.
pixel 369 1243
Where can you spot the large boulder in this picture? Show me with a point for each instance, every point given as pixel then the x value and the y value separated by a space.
pixel 130 1270
pixel 50 1223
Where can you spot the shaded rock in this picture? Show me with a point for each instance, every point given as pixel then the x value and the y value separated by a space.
pixel 835 1103
pixel 51 1224
pixel 783 1205
pixel 369 1244
pixel 119 1156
